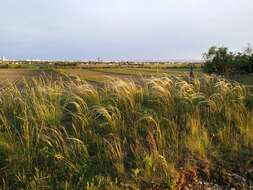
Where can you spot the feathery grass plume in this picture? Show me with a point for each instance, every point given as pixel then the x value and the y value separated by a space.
pixel 159 133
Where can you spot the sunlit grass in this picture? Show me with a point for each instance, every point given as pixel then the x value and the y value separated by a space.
pixel 159 133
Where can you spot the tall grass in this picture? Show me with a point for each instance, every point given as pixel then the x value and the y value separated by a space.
pixel 162 133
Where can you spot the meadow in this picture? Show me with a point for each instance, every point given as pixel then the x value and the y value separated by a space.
pixel 14 76
pixel 138 129
pixel 102 74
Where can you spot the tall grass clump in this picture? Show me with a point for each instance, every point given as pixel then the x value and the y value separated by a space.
pixel 162 133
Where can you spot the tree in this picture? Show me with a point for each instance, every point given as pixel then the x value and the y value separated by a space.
pixel 221 61
pixel 218 60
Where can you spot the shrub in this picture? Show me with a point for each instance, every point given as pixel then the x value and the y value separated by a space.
pixel 221 61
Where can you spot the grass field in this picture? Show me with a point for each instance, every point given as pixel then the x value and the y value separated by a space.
pixel 164 134
pixel 142 71
pixel 94 75
pixel 147 129
pixel 103 74
pixel 15 76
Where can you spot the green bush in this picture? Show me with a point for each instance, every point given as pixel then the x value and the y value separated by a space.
pixel 223 62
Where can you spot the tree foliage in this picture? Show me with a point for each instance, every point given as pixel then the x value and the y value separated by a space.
pixel 222 61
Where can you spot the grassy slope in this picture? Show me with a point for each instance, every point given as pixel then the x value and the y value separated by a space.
pixel 164 134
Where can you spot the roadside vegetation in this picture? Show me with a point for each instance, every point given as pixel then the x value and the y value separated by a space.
pixel 166 133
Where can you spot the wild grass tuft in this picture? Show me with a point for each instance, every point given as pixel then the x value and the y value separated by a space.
pixel 161 133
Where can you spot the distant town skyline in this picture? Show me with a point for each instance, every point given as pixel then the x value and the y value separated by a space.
pixel 3 58
pixel 122 29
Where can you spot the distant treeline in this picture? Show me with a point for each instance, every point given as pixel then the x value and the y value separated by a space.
pixel 224 62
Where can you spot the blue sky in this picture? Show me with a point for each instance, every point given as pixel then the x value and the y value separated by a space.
pixel 122 29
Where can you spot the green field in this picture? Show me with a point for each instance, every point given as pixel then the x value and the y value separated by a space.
pixel 103 74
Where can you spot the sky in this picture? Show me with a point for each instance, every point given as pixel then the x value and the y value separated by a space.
pixel 122 29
